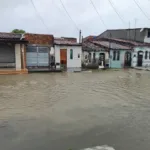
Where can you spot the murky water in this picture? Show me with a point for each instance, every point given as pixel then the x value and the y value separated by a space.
pixel 75 111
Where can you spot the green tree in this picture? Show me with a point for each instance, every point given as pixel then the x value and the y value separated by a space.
pixel 18 31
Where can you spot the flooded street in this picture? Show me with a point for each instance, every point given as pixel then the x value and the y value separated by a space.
pixel 75 110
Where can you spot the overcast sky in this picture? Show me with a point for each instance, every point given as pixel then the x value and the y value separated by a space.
pixel 21 14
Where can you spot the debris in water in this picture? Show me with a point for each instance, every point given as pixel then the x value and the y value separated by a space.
pixel 100 148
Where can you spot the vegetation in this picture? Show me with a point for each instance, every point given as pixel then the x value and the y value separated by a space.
pixel 18 31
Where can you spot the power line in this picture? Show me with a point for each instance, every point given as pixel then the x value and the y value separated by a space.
pixel 142 10
pixel 112 5
pixel 68 14
pixel 40 17
pixel 98 14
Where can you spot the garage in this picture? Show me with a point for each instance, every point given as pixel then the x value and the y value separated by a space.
pixel 37 56
pixel 7 55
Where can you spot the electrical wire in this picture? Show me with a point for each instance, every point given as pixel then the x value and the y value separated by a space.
pixel 69 14
pixel 142 10
pixel 39 16
pixel 112 5
pixel 98 14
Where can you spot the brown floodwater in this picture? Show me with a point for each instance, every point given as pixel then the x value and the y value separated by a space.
pixel 75 110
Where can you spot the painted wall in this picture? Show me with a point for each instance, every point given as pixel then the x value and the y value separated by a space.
pixel 117 63
pixel 18 56
pixel 71 63
pixel 146 62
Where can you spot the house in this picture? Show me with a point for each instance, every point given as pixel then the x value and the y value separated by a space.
pixel 135 54
pixel 38 51
pixel 137 34
pixel 94 55
pixel 12 54
pixel 67 54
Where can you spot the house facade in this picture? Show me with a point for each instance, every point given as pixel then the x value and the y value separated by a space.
pixel 12 54
pixel 120 58
pixel 94 55
pixel 38 51
pixel 141 56
pixel 67 55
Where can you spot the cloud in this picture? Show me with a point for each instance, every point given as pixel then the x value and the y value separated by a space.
pixel 21 14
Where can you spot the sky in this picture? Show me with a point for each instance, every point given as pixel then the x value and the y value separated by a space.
pixel 20 14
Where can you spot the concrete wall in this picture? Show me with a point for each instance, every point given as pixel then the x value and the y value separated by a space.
pixel 146 62
pixel 18 56
pixel 71 63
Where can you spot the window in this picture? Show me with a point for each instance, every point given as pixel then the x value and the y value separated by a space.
pixel 114 55
pixel 118 55
pixel 71 54
pixel 146 54
pixel 148 35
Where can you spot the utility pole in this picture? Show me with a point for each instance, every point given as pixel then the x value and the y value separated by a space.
pixel 135 29
pixel 80 38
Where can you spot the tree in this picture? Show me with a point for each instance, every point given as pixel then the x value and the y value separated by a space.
pixel 18 31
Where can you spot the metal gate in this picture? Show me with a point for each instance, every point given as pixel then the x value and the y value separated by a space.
pixel 7 55
pixel 37 56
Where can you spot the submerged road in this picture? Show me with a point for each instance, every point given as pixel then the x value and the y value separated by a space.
pixel 75 110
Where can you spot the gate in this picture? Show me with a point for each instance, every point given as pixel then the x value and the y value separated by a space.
pixel 37 56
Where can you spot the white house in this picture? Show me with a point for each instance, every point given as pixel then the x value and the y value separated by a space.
pixel 68 55
pixel 141 56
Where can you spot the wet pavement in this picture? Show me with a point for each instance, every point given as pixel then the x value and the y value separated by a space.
pixel 62 111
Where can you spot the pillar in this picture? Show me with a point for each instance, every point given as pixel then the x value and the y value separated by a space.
pixel 18 56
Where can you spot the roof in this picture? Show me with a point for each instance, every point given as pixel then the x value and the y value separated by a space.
pixel 4 35
pixel 11 37
pixel 89 46
pixel 136 34
pixel 66 41
pixel 126 42
pixel 112 45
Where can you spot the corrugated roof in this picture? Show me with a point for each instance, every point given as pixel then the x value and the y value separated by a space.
pixel 9 35
pixel 66 41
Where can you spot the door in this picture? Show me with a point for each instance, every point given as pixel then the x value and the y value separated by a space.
pixel 63 57
pixel 128 59
pixel 7 56
pixel 140 59
pixel 102 59
pixel 37 56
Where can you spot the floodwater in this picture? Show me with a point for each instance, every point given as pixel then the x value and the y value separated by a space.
pixel 75 110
